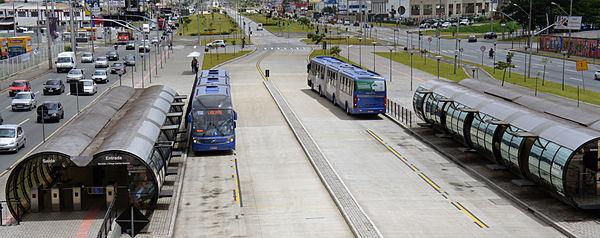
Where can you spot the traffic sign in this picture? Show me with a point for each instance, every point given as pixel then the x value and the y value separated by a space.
pixel 581 65
pixel 482 48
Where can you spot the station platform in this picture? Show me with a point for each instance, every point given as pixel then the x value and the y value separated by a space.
pixel 57 224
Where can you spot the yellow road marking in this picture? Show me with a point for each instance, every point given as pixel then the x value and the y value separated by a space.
pixel 414 168
pixel 431 183
pixel 470 215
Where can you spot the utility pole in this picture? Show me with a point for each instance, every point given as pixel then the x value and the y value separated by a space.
pixel 530 38
pixel 569 42
pixel 49 36
pixel 71 22
pixel 14 20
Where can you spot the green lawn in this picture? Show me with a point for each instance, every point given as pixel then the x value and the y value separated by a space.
pixel 228 40
pixel 426 64
pixel 212 59
pixel 279 24
pixel 343 41
pixel 210 24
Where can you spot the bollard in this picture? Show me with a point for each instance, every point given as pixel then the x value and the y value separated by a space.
pixel 402 117
pixel 410 122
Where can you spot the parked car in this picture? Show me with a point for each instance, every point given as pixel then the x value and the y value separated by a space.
pixel 118 68
pixel 54 111
pixel 446 24
pixel 144 47
pixel 129 60
pixel 216 43
pixel 472 38
pixel 112 55
pixel 54 86
pixel 465 22
pixel 100 76
pixel 101 62
pixel 74 75
pixel 12 138
pixel 18 86
pixel 490 35
pixel 154 40
pixel 597 75
pixel 130 45
pixel 87 57
pixel 23 100
pixel 89 87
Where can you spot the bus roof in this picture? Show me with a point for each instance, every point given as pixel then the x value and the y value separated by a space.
pixel 213 81
pixel 212 90
pixel 214 72
pixel 350 70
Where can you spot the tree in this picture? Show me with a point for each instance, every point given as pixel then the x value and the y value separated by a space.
pixel 315 38
pixel 501 65
pixel 335 51
pixel 303 22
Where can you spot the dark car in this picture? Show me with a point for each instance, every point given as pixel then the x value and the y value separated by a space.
pixel 490 35
pixel 118 68
pixel 113 56
pixel 54 86
pixel 54 111
pixel 472 38
pixel 129 60
pixel 130 46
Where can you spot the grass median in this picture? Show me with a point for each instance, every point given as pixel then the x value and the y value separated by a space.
pixel 275 25
pixel 426 64
pixel 228 40
pixel 212 59
pixel 210 24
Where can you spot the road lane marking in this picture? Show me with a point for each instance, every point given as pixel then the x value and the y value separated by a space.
pixel 430 182
pixel 24 121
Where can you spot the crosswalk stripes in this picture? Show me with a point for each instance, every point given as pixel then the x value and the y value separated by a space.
pixel 288 48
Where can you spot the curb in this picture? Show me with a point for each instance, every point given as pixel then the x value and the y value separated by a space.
pixel 524 206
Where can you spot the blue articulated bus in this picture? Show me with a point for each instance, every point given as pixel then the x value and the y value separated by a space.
pixel 354 89
pixel 213 73
pixel 213 119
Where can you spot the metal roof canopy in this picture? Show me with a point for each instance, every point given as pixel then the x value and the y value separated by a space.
pixel 557 106
pixel 556 129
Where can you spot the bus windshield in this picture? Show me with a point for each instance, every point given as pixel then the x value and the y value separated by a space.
pixel 367 85
pixel 213 122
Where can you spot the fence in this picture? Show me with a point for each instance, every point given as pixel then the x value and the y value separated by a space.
pixel 24 62
pixel 109 218
pixel 400 113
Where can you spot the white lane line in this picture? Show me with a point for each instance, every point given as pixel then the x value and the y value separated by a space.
pixel 576 79
pixel 8 107
pixel 24 121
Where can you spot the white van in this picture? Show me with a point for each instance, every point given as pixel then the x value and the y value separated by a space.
pixel 259 27
pixel 146 28
pixel 66 61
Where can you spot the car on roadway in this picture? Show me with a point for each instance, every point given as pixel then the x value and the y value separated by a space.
pixel 490 35
pixel 129 60
pixel 472 38
pixel 112 55
pixel 597 75
pixel 259 27
pixel 89 87
pixel 18 86
pixel 54 112
pixel 216 43
pixel 12 138
pixel 101 62
pixel 74 75
pixel 54 86
pixel 144 47
pixel 130 45
pixel 87 57
pixel 446 24
pixel 154 40
pixel 465 22
pixel 118 68
pixel 23 101
pixel 100 76
pixel 346 23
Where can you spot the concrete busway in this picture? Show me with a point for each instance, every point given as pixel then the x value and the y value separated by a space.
pixel 116 150
pixel 558 154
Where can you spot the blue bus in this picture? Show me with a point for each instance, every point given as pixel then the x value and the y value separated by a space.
pixel 213 119
pixel 223 81
pixel 213 73
pixel 354 89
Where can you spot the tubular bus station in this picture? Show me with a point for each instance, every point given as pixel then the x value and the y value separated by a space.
pixel 538 140
pixel 114 153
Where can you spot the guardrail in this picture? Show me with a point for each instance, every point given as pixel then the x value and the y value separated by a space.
pixel 399 112
pixel 24 62
pixel 109 217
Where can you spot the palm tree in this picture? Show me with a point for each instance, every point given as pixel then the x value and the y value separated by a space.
pixel 335 51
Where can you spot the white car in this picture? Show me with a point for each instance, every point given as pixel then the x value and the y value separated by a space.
pixel 101 62
pixel 216 43
pixel 597 75
pixel 87 57
pixel 259 27
pixel 100 76
pixel 23 101
pixel 12 138
pixel 74 75
pixel 89 87
pixel 465 22
pixel 446 24
pixel 154 40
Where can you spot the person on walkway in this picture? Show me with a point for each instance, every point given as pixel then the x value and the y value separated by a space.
pixel 491 53
pixel 194 65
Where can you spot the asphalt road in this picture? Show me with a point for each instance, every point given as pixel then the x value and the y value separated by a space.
pixel 34 131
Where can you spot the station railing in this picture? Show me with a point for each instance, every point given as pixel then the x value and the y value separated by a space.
pixel 109 218
pixel 400 113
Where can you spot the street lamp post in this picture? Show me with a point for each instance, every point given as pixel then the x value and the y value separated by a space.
pixel 390 65
pixel 132 83
pixel 494 57
pixel 438 58
pixel 564 53
pixel 374 43
pixel 411 71
pixel 360 54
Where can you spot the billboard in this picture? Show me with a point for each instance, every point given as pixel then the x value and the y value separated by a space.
pixel 578 46
pixel 566 23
